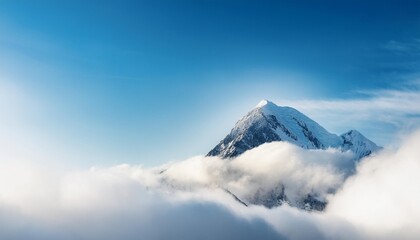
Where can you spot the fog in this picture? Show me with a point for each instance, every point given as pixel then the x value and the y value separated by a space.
pixel 189 199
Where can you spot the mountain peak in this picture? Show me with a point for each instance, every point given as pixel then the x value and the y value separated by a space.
pixel 353 133
pixel 269 122
pixel 354 141
pixel 264 103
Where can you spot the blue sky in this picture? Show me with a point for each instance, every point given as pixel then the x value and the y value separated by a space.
pixel 106 82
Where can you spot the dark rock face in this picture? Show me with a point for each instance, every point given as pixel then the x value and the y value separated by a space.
pixel 309 134
pixel 273 198
pixel 277 197
pixel 251 137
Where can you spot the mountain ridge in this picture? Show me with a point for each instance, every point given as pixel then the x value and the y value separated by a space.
pixel 268 122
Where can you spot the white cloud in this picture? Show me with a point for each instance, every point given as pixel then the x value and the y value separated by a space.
pixel 388 106
pixel 187 201
pixel 383 197
pixel 380 115
pixel 262 171
pixel 111 204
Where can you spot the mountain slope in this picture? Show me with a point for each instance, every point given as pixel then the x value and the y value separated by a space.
pixel 358 144
pixel 268 122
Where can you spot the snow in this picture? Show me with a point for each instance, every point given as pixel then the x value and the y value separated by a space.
pixel 294 120
pixel 268 122
pixel 262 103
pixel 358 144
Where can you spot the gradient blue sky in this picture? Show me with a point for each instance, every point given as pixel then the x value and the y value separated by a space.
pixel 105 82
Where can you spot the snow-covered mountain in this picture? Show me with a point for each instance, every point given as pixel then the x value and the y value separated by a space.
pixel 268 122
pixel 358 144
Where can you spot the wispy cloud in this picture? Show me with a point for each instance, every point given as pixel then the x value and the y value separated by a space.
pixel 389 110
pixel 408 47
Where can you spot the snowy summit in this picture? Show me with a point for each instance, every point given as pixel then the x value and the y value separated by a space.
pixel 268 122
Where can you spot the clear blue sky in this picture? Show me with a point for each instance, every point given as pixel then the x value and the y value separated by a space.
pixel 149 81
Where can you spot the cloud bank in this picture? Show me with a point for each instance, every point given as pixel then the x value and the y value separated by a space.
pixel 188 199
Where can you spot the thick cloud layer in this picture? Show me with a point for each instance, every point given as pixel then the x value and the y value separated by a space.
pixel 263 171
pixel 188 199
pixel 109 204
pixel 383 198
